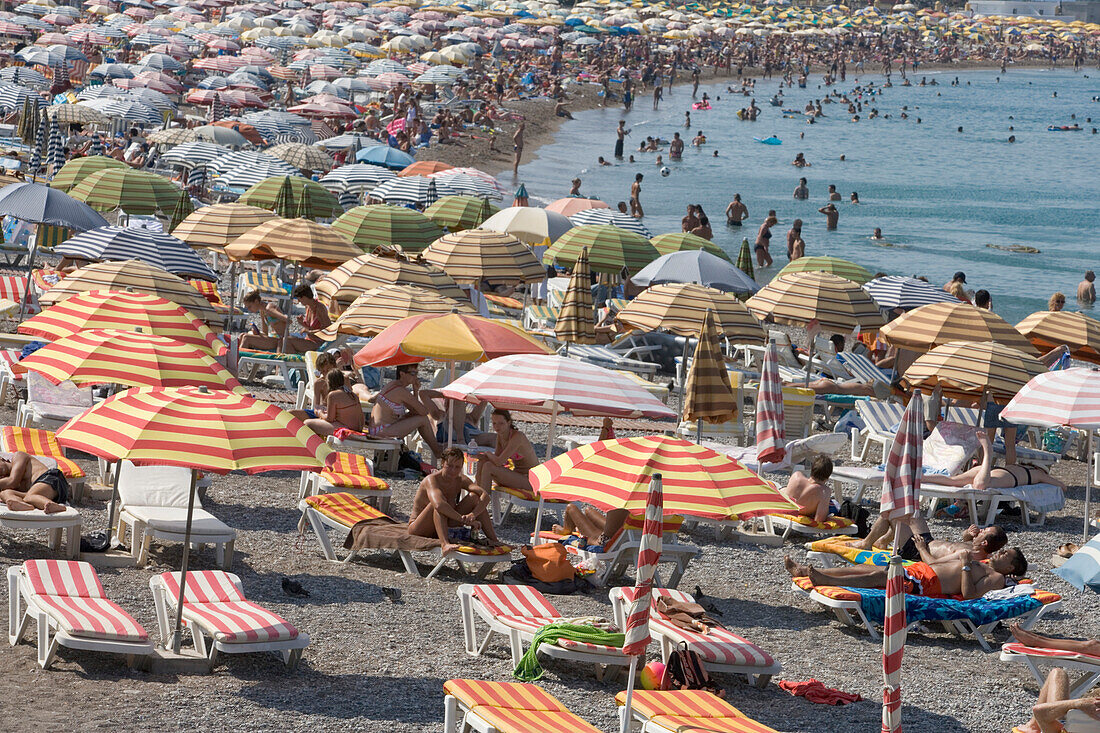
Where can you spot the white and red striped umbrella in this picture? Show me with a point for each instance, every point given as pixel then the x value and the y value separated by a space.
pixel 639 597
pixel 900 499
pixel 770 440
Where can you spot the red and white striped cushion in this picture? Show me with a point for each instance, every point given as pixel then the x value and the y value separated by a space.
pixel 584 646
pixel 92 618
pixel 9 357
pixel 213 601
pixel 204 586
pixel 515 600
pixel 63 578
pixel 1015 647
pixel 719 646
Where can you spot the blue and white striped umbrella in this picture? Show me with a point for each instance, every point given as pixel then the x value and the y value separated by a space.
pixel 113 244
pixel 197 176
pixel 418 190
pixel 251 158
pixel 55 150
pixel 23 76
pixel 348 199
pixel 39 151
pixel 127 110
pixel 12 96
pixel 896 291
pixel 614 218
pixel 194 153
pixel 356 178
pixel 249 175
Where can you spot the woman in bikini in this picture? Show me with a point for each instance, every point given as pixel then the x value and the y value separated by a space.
pixel 274 324
pixel 763 241
pixel 342 408
pixel 512 460
pixel 986 476
pixel 400 408
pixel 314 319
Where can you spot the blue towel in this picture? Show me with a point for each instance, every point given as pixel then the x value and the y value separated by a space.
pixel 920 608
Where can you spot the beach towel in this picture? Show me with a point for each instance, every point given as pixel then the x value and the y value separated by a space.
pixel 1042 498
pixel 814 691
pixel 529 669
pixel 383 533
pixel 979 611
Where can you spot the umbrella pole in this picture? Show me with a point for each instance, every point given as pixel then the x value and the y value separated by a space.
pixel 550 433
pixel 625 713
pixel 177 633
pixel 809 363
pixel 232 296
pixel 538 522
pixel 31 257
pixel 111 534
pixel 1088 485
pixel 451 407
pixel 683 372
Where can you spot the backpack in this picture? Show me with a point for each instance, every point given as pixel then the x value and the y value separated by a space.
pixel 857 513
pixel 685 671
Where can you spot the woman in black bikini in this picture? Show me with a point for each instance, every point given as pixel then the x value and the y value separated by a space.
pixel 986 477
pixel 763 241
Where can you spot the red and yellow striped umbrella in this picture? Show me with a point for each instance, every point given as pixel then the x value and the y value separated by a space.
pixel 446 337
pixel 111 356
pixel 126 310
pixel 213 431
pixel 696 481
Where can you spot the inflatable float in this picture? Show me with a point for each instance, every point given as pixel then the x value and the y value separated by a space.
pixel 768 140
pixel 700 105
pixel 1064 128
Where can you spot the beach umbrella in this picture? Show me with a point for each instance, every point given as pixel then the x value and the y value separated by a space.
pixel 571 205
pixel 695 266
pixel 681 242
pixel 843 268
pixel 679 308
pixel 126 310
pixel 521 198
pixel 448 337
pixel 112 243
pixel 836 305
pixel 1082 570
pixel 38 204
pixel 385 156
pixel 900 500
pixel 196 428
pixel 424 168
pixel 96 148
pixel 384 267
pixel 218 225
pixel 263 195
pixel 133 191
pixel 770 439
pixel 610 248
pixel 478 255
pixel 709 396
pixel 379 308
pixel 67 114
pixel 969 369
pixel 356 178
pixel 611 218
pixel 460 212
pixel 744 259
pixel 412 190
pixel 1047 330
pixel 294 240
pixel 907 293
pixel 55 150
pixel 576 317
pixel 302 157
pixel 639 598
pixel 133 274
pixel 109 356
pixel 77 169
pixel 39 147
pixel 933 325
pixel 386 225
pixel 529 224
pixel 184 208
pixel 28 121
pixel 283 205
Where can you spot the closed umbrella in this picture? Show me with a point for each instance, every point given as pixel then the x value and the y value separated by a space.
pixel 283 205
pixel 1049 329
pixel 576 317
pixel 112 243
pixel 709 396
pixel 744 259
pixel 478 255
pixel 294 240
pixel 356 276
pixel 835 265
pixel 906 293
pixel 933 325
pixel 305 209
pixel 969 369
pixel 55 150
pixel 449 337
pixel 521 198
pixel 391 226
pixel 770 439
pixel 184 208
pixel 695 266
pixel 39 147
pixel 610 248
pixel 379 308
pixel 218 225
pixel 682 242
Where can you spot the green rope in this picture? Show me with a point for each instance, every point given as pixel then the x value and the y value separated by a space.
pixel 529 669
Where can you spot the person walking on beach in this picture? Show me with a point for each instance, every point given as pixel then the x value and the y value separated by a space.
pixel 763 240
pixel 736 212
pixel 621 132
pixel 517 146
pixel 832 215
pixel 1086 290
pixel 636 197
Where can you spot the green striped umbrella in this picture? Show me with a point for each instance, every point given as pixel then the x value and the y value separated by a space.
pixel 835 265
pixel 460 212
pixel 305 209
pixel 283 205
pixel 744 259
pixel 26 128
pixel 184 208
pixel 681 241
pixel 78 169
pixel 610 248
pixel 382 224
pixel 263 195
pixel 133 191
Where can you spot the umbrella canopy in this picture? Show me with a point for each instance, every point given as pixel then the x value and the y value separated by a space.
pixel 1064 397
pixel 1049 329
pixel 449 337
pixel 44 205
pixel 385 156
pixel 263 195
pixel 354 277
pixel 133 191
pixel 356 178
pixel 771 444
pixel 460 212
pixel 477 255
pixel 709 396
pixel 695 266
pixel 530 225
pixel 611 218
pixel 303 157
pixel 686 242
pixel 136 275
pixel 184 208
pixel 377 309
pixel 122 310
pixel 424 168
pixel 391 226
pixel 838 305
pixel 221 224
pixel 940 323
pixel 697 481
pixel 77 169
pixel 293 240
pixel 109 356
pixel 744 259
pixel 610 248
pixel 906 293
pixel 967 369
pixel 412 190
pixel 551 383
pixel 118 243
pixel 835 265
pixel 1082 570
pixel 679 308
pixel 573 205
pixel 576 320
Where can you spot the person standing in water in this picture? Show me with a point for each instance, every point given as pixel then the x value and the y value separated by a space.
pixel 621 132
pixel 801 191
pixel 832 215
pixel 763 241
pixel 1086 290
pixel 636 197
pixel 794 235
pixel 736 212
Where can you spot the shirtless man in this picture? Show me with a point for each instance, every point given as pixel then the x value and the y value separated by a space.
pixel 982 541
pixel 832 215
pixel 439 504
pixel 834 195
pixel 986 476
pixel 811 493
pixel 1086 290
pixel 517 146
pixel 957 574
pixel 591 523
pixel 802 191
pixel 736 212
pixel 676 147
pixel 636 197
pixel 27 484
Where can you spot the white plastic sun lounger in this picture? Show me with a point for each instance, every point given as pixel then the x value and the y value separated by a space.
pixel 1087 664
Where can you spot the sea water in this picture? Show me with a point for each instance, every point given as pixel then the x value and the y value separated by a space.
pixel 940 196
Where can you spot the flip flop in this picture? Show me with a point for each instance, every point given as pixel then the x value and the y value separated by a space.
pixel 1068 549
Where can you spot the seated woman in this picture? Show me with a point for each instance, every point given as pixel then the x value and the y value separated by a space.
pixel 986 476
pixel 342 408
pixel 268 338
pixel 596 527
pixel 314 319
pixel 513 458
pixel 400 409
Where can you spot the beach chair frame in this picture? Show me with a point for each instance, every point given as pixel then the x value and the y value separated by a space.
pixel 1032 658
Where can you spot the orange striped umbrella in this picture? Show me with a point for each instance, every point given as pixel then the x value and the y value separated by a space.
pixel 424 168
pixel 126 310
pixel 697 481
pixel 111 356
pixel 966 369
pixel 358 275
pixel 797 298
pixel 679 308
pixel 474 255
pixel 294 240
pixel 448 337
pixel 376 309
pixel 937 324
pixel 1049 329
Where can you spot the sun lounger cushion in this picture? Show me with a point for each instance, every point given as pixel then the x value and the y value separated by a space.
pixel 351 470
pixel 979 611
pixel 517 606
pixel 829 591
pixel 37 515
pixel 214 601
pixel 516 706
pixel 691 710
pixel 272 355
pixel 347 509
pixel 720 646
pixel 39 443
pixel 1015 647
pixel 854 555
pixel 831 522
pixel 71 594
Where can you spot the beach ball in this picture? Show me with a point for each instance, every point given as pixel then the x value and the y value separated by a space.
pixel 665 171
pixel 651 675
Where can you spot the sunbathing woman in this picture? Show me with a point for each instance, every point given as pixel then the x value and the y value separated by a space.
pixel 986 476
pixel 593 525
pixel 314 319
pixel 269 337
pixel 399 409
pixel 513 458
pixel 342 408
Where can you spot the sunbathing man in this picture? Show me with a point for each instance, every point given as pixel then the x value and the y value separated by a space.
pixel 982 541
pixel 958 574
pixel 591 523
pixel 986 476
pixel 27 484
pixel 440 509
pixel 811 493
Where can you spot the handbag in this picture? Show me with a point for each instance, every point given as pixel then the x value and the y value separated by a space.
pixel 549 562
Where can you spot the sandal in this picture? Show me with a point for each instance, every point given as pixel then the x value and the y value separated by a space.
pixel 1068 549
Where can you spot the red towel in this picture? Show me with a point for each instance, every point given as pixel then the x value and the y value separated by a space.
pixel 814 691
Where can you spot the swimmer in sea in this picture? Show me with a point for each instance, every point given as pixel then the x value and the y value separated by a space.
pixel 854 197
pixel 699 139
pixel 877 235
pixel 800 161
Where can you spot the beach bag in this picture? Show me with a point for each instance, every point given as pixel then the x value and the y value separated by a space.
pixel 548 562
pixel 1055 440
pixel 857 513
pixel 685 671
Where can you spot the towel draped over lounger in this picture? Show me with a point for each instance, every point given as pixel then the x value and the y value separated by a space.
pixel 529 669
